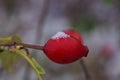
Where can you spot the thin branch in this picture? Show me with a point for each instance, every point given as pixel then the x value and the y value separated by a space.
pixel 86 72
pixel 42 18
pixel 24 45
pixel 31 46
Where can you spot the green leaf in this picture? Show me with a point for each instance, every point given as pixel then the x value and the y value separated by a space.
pixel 8 58
pixel 5 40
pixel 40 69
pixel 16 39
pixel 37 68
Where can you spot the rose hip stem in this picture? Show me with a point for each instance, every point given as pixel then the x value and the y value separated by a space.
pixel 24 45
pixel 87 75
pixel 30 46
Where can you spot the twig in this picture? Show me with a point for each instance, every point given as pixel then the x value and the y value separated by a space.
pixel 24 45
pixel 87 75
pixel 42 18
pixel 31 46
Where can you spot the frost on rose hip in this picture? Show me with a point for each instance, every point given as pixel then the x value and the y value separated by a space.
pixel 65 47
pixel 60 35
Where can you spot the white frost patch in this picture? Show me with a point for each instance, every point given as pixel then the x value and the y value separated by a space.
pixel 60 35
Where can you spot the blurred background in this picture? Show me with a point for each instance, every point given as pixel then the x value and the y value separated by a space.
pixel 35 21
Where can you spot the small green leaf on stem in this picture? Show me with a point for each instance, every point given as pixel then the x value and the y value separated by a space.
pixel 37 68
pixel 5 40
pixel 11 51
pixel 8 59
pixel 7 56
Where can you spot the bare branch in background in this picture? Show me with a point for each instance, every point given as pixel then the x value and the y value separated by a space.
pixel 39 31
pixel 42 18
pixel 86 72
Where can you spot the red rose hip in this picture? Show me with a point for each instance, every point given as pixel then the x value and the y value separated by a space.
pixel 64 48
pixel 74 34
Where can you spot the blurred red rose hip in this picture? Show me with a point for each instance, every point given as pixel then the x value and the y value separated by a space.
pixel 65 47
